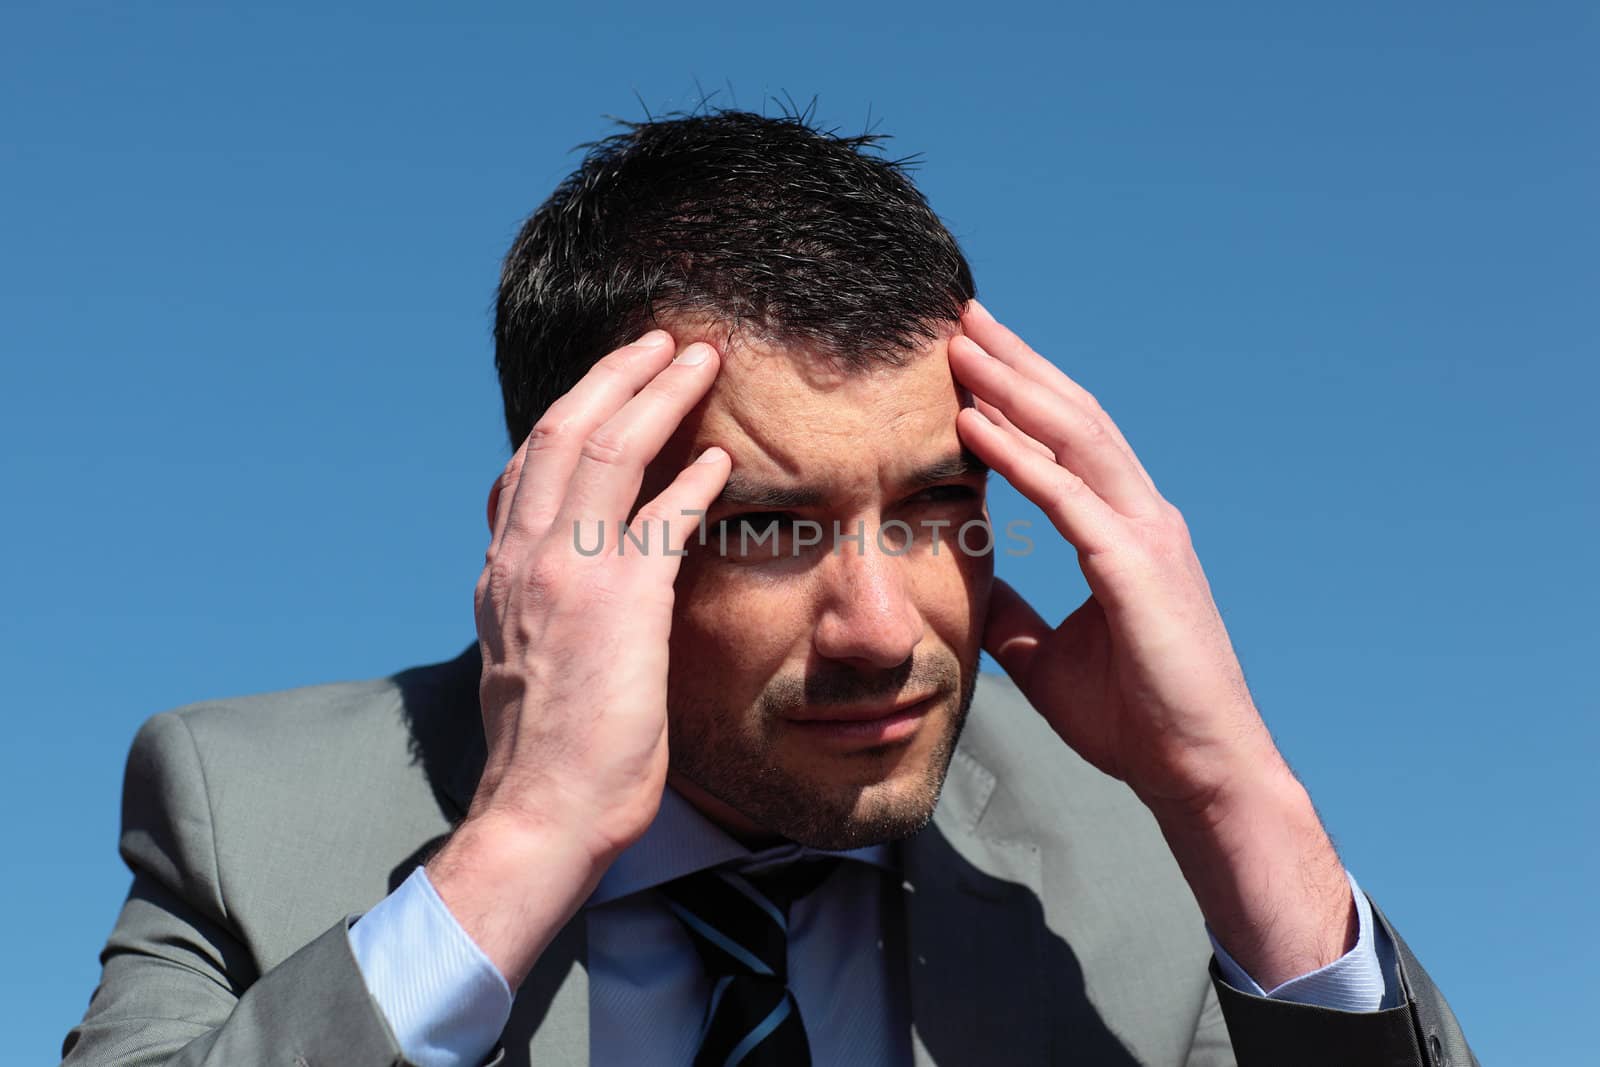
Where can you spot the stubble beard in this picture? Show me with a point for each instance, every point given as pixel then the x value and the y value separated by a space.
pixel 739 768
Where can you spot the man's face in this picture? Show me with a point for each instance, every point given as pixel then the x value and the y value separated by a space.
pixel 766 634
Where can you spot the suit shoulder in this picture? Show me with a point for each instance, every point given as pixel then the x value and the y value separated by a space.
pixel 281 811
pixel 276 764
pixel 261 727
pixel 267 718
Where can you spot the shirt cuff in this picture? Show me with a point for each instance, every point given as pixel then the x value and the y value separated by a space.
pixel 444 1000
pixel 1353 982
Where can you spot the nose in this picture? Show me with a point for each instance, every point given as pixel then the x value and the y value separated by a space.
pixel 869 617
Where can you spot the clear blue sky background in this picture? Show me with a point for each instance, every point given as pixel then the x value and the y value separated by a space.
pixel 1332 268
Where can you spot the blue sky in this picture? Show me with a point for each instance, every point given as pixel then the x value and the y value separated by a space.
pixel 1332 268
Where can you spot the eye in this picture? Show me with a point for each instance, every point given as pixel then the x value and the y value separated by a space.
pixel 940 494
pixel 752 536
pixel 758 521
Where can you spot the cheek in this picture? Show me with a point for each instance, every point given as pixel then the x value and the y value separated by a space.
pixel 952 591
pixel 732 633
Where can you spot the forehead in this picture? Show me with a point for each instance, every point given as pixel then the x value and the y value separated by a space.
pixel 792 413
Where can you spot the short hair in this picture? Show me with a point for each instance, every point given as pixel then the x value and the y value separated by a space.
pixel 781 231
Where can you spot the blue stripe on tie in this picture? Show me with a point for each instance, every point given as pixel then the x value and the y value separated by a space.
pixel 716 937
pixel 754 1037
pixel 756 898
pixel 711 1013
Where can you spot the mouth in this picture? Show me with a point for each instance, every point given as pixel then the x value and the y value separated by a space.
pixel 867 724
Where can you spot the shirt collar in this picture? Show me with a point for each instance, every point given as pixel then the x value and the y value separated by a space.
pixel 682 841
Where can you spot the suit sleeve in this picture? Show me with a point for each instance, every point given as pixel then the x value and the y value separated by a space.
pixel 1421 1031
pixel 178 985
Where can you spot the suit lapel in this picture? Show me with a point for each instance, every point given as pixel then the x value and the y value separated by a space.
pixel 975 933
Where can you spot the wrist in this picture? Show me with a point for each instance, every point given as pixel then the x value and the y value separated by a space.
pixel 1264 872
pixel 1238 790
pixel 512 886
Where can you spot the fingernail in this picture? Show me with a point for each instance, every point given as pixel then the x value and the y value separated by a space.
pixel 653 339
pixel 711 455
pixel 694 355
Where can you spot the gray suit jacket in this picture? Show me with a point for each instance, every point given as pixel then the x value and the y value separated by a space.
pixel 1045 921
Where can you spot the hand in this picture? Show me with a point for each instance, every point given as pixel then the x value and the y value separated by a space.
pixel 574 687
pixel 1141 680
pixel 575 649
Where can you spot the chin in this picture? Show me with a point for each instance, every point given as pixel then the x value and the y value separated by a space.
pixel 833 802
pixel 874 819
pixel 833 811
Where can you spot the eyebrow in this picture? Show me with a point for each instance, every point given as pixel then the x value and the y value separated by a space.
pixel 744 491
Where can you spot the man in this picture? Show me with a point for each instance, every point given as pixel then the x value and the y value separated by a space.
pixel 720 781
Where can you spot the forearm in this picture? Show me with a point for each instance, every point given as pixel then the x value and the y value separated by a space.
pixel 1264 873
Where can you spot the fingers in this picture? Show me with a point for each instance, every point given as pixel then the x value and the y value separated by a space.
pixel 535 479
pixel 996 416
pixel 1075 510
pixel 674 515
pixel 1076 437
pixel 611 462
pixel 1000 342
pixel 1013 631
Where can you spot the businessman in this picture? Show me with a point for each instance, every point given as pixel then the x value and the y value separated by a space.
pixel 720 781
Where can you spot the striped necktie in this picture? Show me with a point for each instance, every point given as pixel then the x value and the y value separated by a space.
pixel 740 925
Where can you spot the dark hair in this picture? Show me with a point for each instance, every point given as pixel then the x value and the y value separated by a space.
pixel 779 230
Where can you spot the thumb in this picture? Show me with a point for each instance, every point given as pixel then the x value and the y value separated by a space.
pixel 1013 632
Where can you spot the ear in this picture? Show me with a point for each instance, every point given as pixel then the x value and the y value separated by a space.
pixel 494 504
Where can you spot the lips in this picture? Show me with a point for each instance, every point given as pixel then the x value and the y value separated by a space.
pixel 870 726
pixel 861 713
